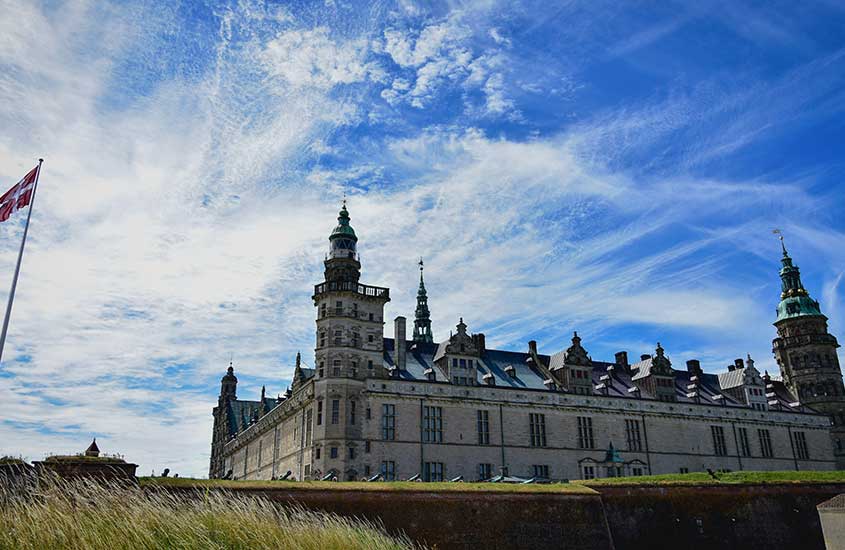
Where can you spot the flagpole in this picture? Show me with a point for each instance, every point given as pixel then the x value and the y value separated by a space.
pixel 18 266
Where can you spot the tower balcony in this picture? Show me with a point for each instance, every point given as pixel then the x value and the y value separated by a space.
pixel 353 287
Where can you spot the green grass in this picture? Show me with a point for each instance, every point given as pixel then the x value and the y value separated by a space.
pixel 368 486
pixel 83 458
pixel 75 515
pixel 735 478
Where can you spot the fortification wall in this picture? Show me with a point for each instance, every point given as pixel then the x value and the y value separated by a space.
pixel 747 517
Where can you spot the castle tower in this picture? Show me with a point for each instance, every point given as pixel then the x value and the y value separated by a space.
pixel 220 431
pixel 422 316
pixel 806 353
pixel 349 349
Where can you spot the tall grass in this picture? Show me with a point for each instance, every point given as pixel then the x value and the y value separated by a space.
pixel 90 515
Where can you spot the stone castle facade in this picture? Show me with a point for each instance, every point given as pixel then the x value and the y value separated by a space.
pixel 394 408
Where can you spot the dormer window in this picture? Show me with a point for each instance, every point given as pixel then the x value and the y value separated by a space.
pixel 510 371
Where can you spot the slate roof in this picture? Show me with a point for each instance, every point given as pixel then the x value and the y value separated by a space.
pixel 241 412
pixel 731 379
pixel 420 356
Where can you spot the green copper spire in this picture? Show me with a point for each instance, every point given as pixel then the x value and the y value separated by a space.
pixel 795 301
pixel 343 229
pixel 422 316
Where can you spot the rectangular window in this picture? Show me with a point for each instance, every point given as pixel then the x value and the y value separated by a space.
pixel 765 443
pixel 720 447
pixel 744 447
pixel 485 472
pixel 541 470
pixel 462 363
pixel 636 471
pixel 335 411
pixel 388 422
pixel 585 433
pixel 433 471
pixel 351 453
pixel 368 413
pixel 322 369
pixel 632 434
pixel 370 338
pixel 388 470
pixel 537 425
pixel 352 408
pixel 319 413
pixel 367 472
pixel 683 471
pixel 483 424
pixel 801 449
pixel 454 362
pixel 589 472
pixel 333 452
pixel 317 453
pixel 433 424
pixel 308 418
pixel 370 364
pixel 367 446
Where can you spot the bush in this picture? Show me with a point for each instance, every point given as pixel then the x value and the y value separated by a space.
pixel 91 515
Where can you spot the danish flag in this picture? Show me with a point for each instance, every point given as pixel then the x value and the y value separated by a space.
pixel 18 196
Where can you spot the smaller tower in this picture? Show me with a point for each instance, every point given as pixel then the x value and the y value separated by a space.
pixel 229 385
pixel 93 450
pixel 422 316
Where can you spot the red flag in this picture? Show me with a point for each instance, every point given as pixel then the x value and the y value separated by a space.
pixel 18 196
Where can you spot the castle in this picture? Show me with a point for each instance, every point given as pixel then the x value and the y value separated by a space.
pixel 393 408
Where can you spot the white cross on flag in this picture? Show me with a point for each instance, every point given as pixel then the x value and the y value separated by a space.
pixel 18 196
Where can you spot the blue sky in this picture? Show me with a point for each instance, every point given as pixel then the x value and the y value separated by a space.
pixel 612 168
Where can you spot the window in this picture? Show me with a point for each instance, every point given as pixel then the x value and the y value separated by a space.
pixel 371 316
pixel 323 309
pixel 351 453
pixel 683 470
pixel 454 362
pixel 317 453
pixel 744 447
pixel 368 413
pixel 585 433
pixel 469 363
pixel 589 472
pixel 636 471
pixel 367 472
pixel 801 449
pixel 433 471
pixel 354 369
pixel 370 338
pixel 462 363
pixel 370 365
pixel 322 371
pixel 433 424
pixel 367 446
pixel 765 443
pixel 541 470
pixel 388 470
pixel 322 339
pixel 483 424
pixel 336 367
pixel 388 422
pixel 352 408
pixel 319 413
pixel 720 447
pixel 333 452
pixel 485 472
pixel 335 411
pixel 338 308
pixel 308 417
pixel 632 434
pixel 307 471
pixel 537 423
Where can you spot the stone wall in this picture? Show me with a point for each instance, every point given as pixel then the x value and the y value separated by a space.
pixel 746 517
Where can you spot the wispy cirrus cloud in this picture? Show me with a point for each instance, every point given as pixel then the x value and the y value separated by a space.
pixel 195 161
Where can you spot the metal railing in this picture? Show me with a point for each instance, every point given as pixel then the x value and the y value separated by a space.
pixel 348 286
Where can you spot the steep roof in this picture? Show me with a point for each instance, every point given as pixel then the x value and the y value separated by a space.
pixel 420 356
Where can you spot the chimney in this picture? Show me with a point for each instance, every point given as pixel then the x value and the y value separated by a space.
pixel 731 368
pixel 478 340
pixel 399 342
pixel 694 366
pixel 739 363
pixel 622 360
pixel 645 356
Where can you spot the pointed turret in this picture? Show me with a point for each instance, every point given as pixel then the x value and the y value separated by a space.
pixel 93 449
pixel 229 385
pixel 342 264
pixel 422 316
pixel 795 301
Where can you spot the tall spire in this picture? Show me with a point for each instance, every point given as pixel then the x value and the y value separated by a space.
pixel 422 316
pixel 795 301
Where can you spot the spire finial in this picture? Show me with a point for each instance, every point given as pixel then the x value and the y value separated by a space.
pixel 779 233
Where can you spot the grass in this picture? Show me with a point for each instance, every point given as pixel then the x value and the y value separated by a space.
pixel 734 478
pixel 367 486
pixel 83 458
pixel 85 514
